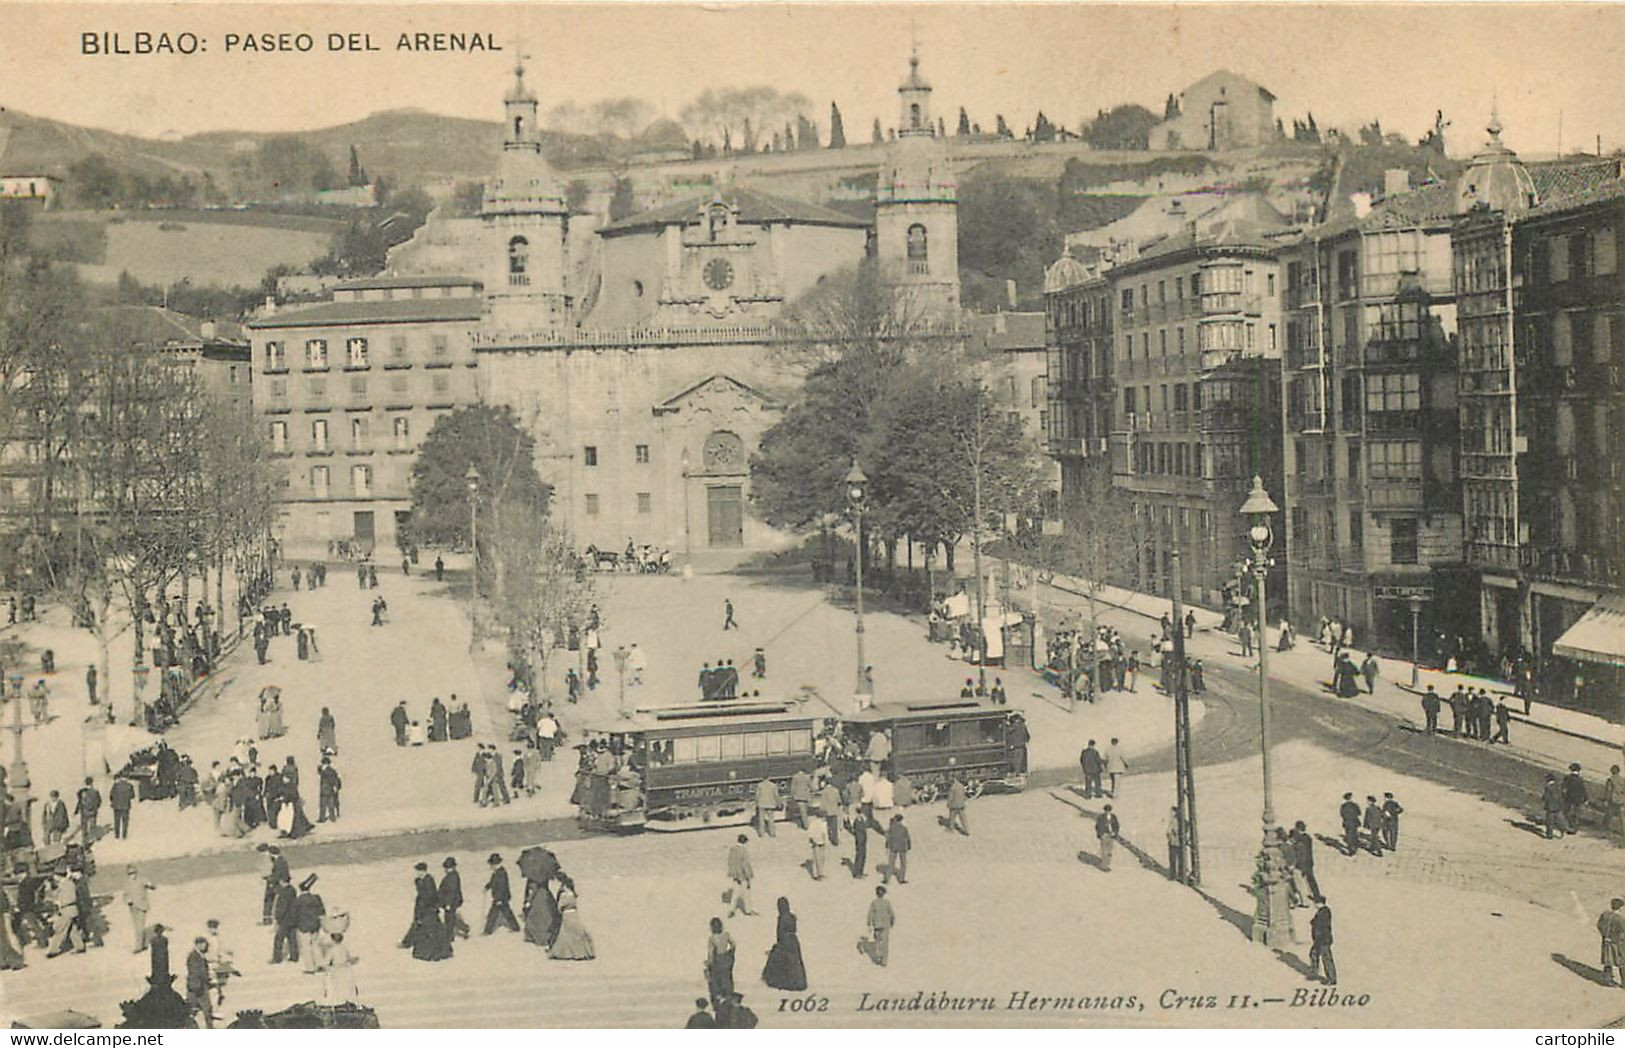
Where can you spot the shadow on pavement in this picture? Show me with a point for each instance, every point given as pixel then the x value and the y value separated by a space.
pixel 1583 970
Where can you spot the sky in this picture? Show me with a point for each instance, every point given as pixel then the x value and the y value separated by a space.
pixel 1346 64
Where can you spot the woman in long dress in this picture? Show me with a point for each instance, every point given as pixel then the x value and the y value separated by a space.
pixel 293 807
pixel 437 720
pixel 719 962
pixel 262 722
pixel 338 974
pixel 541 914
pixel 274 718
pixel 327 738
pixel 572 943
pixel 784 970
pixel 429 938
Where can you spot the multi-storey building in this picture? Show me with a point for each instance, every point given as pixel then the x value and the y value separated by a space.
pixel 1078 334
pixel 1197 346
pixel 1541 304
pixel 1372 494
pixel 1010 347
pixel 347 391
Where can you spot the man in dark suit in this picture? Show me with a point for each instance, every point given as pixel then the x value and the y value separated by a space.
pixel 308 911
pixel 87 805
pixel 1303 857
pixel 501 893
pixel 1373 824
pixel 450 894
pixel 197 981
pixel 1349 813
pixel 283 916
pixel 1391 811
pixel 1320 952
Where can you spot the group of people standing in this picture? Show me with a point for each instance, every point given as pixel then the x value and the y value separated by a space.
pixel 445 723
pixel 1473 714
pixel 1376 825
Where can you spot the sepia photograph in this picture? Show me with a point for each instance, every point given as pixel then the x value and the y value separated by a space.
pixel 563 515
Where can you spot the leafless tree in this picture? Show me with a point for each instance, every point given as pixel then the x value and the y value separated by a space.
pixel 547 591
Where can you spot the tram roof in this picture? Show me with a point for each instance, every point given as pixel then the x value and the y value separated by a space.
pixel 706 715
pixel 925 710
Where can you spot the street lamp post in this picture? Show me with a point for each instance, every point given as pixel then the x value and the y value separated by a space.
pixel 620 673
pixel 856 485
pixel 1416 632
pixel 472 477
pixel 138 716
pixel 17 781
pixel 688 541
pixel 1272 916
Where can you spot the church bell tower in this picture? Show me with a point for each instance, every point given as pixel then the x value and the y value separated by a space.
pixel 917 208
pixel 527 223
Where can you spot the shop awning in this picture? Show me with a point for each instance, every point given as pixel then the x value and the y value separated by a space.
pixel 1599 636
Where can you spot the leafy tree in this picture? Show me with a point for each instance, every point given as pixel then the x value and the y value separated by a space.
pixel 837 130
pixel 748 136
pixel 877 136
pixel 358 174
pixel 1170 108
pixel 719 113
pixel 806 133
pixel 1043 130
pixel 1371 134
pixel 468 198
pixel 1001 128
pixel 1122 127
pixel 491 440
pixel 95 183
pixel 964 123
pixel 942 129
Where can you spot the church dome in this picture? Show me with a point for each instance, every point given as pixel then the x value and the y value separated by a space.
pixel 1065 272
pixel 1495 178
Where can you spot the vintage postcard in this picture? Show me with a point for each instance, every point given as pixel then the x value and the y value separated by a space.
pixel 821 515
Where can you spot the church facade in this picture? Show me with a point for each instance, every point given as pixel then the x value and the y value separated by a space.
pixel 647 356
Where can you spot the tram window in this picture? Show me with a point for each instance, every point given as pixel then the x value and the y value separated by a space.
pixel 707 747
pixel 936 736
pixel 660 752
pixel 992 732
pixel 778 742
pixel 965 733
pixel 682 751
pixel 755 744
pixel 732 747
pixel 909 737
pixel 801 740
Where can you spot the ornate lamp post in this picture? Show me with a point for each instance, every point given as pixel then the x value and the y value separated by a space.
pixel 17 781
pixel 856 489
pixel 138 716
pixel 1272 918
pixel 620 672
pixel 1416 633
pixel 472 477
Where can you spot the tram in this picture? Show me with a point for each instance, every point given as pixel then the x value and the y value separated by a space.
pixel 982 744
pixel 682 767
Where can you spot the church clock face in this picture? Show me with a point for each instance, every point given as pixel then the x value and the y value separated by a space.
pixel 719 274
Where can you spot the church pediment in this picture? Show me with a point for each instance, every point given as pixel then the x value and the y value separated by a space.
pixel 719 395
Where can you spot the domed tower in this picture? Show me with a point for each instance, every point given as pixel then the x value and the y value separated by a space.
pixel 1495 178
pixel 526 266
pixel 917 206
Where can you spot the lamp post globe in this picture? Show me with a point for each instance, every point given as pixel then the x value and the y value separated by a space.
pixel 856 485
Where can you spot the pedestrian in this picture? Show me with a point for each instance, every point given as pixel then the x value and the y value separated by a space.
pixel 767 807
pixel 1368 669
pixel 399 719
pixel 1176 847
pixel 740 876
pixel 701 1019
pixel 120 797
pixel 88 805
pixel 1115 764
pixel 427 938
pixel 327 733
pixel 816 862
pixel 1391 811
pixel 1320 949
pixel 860 843
pixel 308 911
pixel 1190 624
pixel 90 682
pixel 880 919
pixel 1349 814
pixel 1503 722
pixel 1430 709
pixel 958 799
pixel 54 818
pixel 1303 858
pixel 1458 711
pixel 829 805
pixel 501 893
pixel 284 918
pixel 897 848
pixel 136 897
pixel 1244 633
pixel 759 664
pixel 278 875
pixel 1092 767
pixel 1574 798
pixel 1198 682
pixel 1372 824
pixel 801 797
pixel 720 951
pixel 1611 926
pixel 1106 831
pixel 198 981
pixel 338 974
pixel 439 569
pixel 1613 802
pixel 450 896
pixel 328 786
pixel 728 622
pixel 784 969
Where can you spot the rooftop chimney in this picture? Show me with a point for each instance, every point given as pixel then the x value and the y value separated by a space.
pixel 1396 181
pixel 206 329
pixel 1010 293
pixel 1362 204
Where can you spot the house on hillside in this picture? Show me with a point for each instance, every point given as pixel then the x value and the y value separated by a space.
pixel 39 188
pixel 1220 111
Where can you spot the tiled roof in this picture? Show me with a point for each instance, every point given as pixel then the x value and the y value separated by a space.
pixel 158 324
pixel 379 283
pixel 399 311
pixel 1428 204
pixel 755 208
pixel 1595 195
pixel 1239 234
pixel 1564 178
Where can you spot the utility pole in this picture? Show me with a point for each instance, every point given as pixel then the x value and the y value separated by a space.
pixel 1184 770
